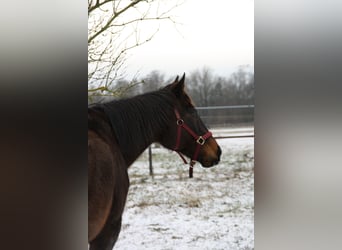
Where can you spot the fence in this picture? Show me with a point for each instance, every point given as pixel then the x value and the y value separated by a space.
pixel 239 118
pixel 227 116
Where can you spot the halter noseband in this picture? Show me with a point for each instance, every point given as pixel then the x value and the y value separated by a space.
pixel 200 140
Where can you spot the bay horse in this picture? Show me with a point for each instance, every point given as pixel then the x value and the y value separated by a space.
pixel 119 131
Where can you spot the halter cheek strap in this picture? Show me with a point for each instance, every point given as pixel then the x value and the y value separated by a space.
pixel 200 140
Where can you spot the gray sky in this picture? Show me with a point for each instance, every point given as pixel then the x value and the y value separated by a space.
pixel 218 34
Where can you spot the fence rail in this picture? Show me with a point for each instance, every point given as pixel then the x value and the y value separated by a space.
pixel 224 116
pixel 225 107
pixel 233 137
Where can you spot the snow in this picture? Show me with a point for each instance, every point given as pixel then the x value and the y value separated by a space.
pixel 214 210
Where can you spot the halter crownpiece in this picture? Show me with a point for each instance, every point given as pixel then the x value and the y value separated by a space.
pixel 200 140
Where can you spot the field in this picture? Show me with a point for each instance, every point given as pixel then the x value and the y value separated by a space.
pixel 214 210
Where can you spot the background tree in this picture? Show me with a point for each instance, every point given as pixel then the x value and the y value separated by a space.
pixel 217 97
pixel 206 89
pixel 153 81
pixel 241 85
pixel 200 84
pixel 114 28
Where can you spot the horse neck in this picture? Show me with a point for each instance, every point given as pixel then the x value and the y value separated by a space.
pixel 140 121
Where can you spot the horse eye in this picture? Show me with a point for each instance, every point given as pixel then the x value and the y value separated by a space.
pixel 193 111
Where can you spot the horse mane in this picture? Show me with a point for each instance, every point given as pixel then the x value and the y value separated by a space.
pixel 135 120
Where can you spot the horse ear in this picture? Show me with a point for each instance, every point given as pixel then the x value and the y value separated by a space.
pixel 176 80
pixel 182 79
pixel 178 86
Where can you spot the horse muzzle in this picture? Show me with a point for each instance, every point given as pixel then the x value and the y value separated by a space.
pixel 211 160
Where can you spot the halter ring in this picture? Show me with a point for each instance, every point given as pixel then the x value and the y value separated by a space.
pixel 180 122
pixel 200 140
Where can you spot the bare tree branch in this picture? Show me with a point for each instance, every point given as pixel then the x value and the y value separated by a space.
pixel 97 5
pixel 113 30
pixel 116 15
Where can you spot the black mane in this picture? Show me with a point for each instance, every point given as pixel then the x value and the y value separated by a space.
pixel 137 121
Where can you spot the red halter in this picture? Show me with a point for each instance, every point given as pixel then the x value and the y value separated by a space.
pixel 200 140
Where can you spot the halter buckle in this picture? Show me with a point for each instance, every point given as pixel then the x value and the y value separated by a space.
pixel 200 140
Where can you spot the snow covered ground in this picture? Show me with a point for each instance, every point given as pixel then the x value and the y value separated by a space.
pixel 214 210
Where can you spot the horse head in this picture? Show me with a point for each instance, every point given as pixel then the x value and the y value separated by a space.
pixel 187 133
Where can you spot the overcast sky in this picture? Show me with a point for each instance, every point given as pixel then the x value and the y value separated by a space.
pixel 218 34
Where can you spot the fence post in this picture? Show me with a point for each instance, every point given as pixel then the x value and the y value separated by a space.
pixel 150 161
